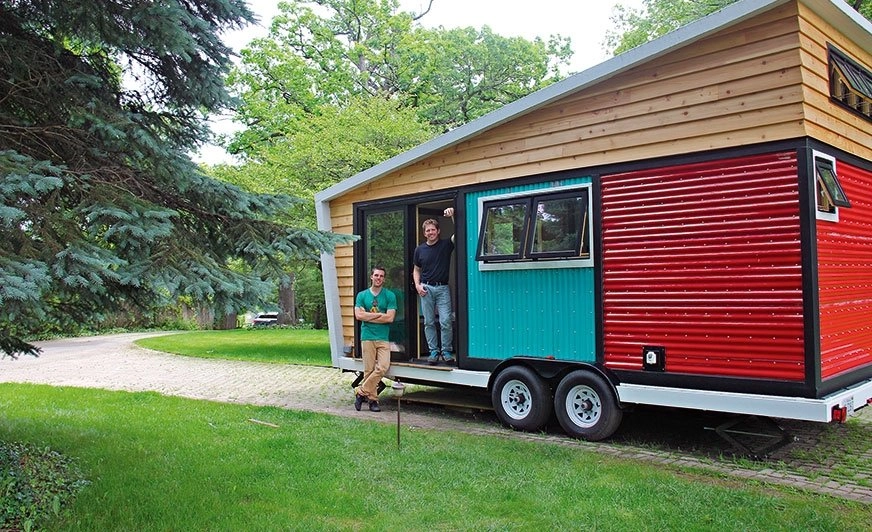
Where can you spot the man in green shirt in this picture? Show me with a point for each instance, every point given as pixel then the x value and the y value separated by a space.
pixel 375 309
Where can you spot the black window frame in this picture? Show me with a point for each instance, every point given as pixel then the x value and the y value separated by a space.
pixel 486 209
pixel 575 252
pixel 531 200
pixel 825 174
pixel 850 83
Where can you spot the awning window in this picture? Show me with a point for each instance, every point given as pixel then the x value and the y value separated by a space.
pixel 829 192
pixel 850 83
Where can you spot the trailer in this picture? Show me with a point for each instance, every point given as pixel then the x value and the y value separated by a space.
pixel 688 224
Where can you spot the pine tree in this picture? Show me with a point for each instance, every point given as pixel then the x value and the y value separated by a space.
pixel 100 205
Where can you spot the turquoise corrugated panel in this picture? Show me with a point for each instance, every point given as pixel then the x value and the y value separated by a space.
pixel 541 313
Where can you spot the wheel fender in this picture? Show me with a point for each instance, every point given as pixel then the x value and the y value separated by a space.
pixel 553 371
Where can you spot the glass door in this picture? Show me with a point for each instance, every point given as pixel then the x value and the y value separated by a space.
pixel 384 245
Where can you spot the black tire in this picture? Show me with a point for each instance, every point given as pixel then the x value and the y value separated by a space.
pixel 521 399
pixel 586 406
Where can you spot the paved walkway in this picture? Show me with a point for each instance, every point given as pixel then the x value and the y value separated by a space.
pixel 113 362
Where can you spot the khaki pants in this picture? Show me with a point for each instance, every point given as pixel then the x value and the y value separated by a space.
pixel 376 362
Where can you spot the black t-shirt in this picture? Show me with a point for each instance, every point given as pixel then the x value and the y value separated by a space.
pixel 434 261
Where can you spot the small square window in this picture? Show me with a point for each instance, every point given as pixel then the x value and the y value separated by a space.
pixel 828 184
pixel 502 233
pixel 558 226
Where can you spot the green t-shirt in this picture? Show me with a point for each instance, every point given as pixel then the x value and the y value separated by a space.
pixel 383 302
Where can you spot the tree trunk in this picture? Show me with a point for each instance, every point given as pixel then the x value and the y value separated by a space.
pixel 287 302
pixel 317 320
pixel 205 317
pixel 228 322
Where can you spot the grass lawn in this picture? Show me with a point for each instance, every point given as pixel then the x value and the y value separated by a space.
pixel 268 344
pixel 166 463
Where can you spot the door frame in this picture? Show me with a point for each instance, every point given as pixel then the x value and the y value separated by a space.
pixel 411 207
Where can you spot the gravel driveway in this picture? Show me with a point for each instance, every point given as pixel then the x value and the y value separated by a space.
pixel 113 362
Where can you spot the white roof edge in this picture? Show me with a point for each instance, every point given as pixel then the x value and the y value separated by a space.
pixel 724 18
pixel 848 11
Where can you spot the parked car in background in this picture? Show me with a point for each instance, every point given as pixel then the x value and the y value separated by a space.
pixel 265 318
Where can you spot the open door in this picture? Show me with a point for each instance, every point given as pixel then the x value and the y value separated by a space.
pixel 435 210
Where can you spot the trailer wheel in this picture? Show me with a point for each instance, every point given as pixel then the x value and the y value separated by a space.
pixel 521 399
pixel 586 407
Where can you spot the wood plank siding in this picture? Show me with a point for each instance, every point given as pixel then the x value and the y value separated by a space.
pixel 824 121
pixel 763 79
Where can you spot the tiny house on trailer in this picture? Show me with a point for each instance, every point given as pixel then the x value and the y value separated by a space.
pixel 688 224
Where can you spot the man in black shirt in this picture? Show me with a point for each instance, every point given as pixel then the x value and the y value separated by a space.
pixel 432 266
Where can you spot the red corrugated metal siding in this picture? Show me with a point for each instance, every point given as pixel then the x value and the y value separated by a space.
pixel 845 278
pixel 704 259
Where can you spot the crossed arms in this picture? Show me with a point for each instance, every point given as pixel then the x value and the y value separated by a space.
pixel 361 314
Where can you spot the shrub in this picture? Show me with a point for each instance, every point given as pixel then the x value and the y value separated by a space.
pixel 35 485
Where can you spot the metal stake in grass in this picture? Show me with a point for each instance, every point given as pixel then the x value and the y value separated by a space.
pixel 398 388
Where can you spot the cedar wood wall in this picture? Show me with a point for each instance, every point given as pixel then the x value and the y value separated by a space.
pixel 741 86
pixel 826 121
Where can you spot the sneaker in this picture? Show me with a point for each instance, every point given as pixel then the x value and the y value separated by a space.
pixel 433 359
pixel 448 358
pixel 358 401
pixel 373 406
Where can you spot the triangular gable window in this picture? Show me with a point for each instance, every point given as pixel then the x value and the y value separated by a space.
pixel 850 83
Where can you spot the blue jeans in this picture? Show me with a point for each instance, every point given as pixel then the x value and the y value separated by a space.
pixel 437 300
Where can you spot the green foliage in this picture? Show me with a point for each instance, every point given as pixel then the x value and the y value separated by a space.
pixel 309 287
pixel 100 206
pixel 864 7
pixel 331 52
pixel 340 86
pixel 469 72
pixel 166 463
pixel 634 27
pixel 331 145
pixel 36 484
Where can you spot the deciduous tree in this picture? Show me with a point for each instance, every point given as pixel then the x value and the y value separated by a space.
pixel 331 144
pixel 329 52
pixel 634 27
pixel 339 86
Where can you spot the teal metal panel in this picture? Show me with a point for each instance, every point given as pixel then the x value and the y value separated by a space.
pixel 537 312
